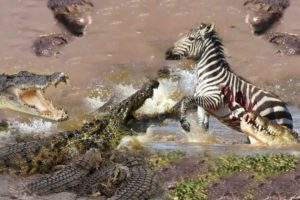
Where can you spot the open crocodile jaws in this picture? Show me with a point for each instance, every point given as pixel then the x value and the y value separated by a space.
pixel 267 132
pixel 24 92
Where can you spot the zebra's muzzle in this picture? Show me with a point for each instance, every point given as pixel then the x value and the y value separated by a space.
pixel 169 55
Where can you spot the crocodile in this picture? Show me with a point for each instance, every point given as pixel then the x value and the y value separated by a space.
pixel 103 134
pixel 262 14
pixel 140 184
pixel 125 176
pixel 75 15
pixel 288 44
pixel 267 132
pixel 49 45
pixel 104 180
pixel 68 177
pixel 23 92
pixel 116 179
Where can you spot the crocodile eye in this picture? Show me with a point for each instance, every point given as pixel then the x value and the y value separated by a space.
pixel 202 25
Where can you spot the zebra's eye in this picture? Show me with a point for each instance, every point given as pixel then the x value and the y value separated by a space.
pixel 191 38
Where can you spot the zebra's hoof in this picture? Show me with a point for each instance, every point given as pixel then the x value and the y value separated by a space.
pixel 205 126
pixel 185 125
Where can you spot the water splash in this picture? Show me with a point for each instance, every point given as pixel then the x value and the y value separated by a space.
pixel 123 91
pixel 35 126
pixel 94 102
pixel 164 97
pixel 187 82
pixel 118 92
pixel 172 132
pixel 134 142
pixel 5 137
pixel 170 91
pixel 38 128
pixel 161 100
pixel 197 134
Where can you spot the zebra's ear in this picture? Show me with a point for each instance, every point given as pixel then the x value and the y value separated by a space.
pixel 210 27
pixel 208 30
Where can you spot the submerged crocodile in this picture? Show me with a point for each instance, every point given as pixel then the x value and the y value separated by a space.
pixel 288 44
pixel 49 45
pixel 75 15
pixel 262 14
pixel 23 92
pixel 103 134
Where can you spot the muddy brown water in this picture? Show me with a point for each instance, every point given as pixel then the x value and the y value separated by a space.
pixel 126 43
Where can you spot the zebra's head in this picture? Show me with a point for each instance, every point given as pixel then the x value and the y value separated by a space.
pixel 191 44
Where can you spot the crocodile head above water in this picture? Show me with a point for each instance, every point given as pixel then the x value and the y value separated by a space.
pixel 288 44
pixel 267 132
pixel 262 14
pixel 23 92
pixel 75 15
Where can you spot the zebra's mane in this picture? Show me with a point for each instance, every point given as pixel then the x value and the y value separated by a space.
pixel 215 37
pixel 218 42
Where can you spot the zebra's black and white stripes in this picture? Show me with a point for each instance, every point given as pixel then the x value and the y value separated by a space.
pixel 203 45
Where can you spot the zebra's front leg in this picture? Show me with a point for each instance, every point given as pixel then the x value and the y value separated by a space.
pixel 203 118
pixel 186 102
pixel 237 111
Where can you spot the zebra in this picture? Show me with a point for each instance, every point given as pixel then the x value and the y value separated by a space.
pixel 204 46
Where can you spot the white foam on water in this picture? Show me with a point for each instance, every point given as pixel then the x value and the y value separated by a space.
pixel 5 138
pixel 35 126
pixel 174 133
pixel 134 142
pixel 124 91
pixel 197 134
pixel 119 91
pixel 94 102
pixel 168 133
pixel 161 100
pixel 187 82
